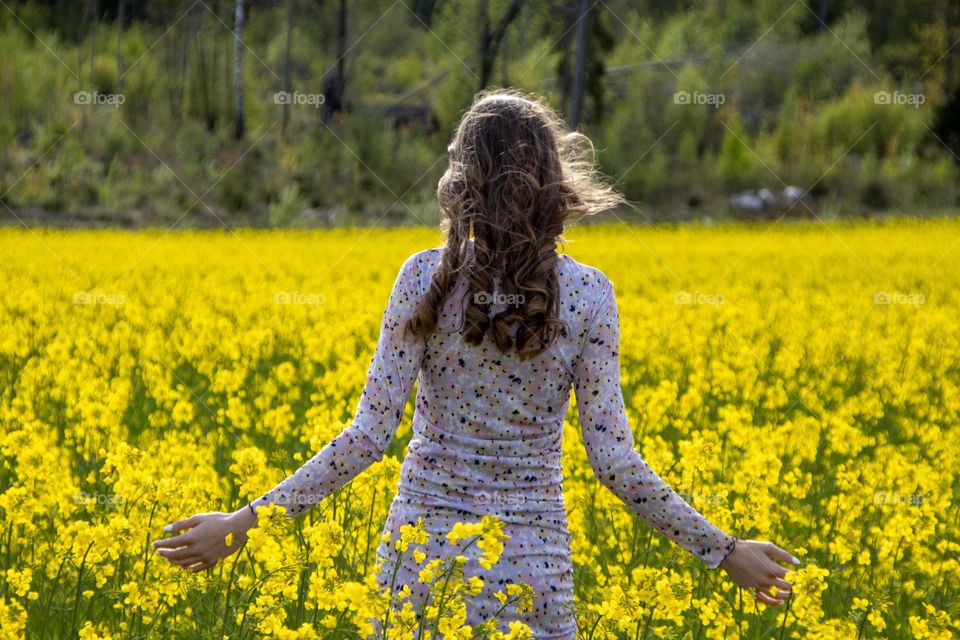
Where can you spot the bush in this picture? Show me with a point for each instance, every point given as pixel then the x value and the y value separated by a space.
pixel 283 211
pixel 735 162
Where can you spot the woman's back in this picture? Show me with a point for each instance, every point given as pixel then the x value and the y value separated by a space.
pixel 488 425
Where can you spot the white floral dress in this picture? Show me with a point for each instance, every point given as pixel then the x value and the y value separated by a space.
pixel 487 440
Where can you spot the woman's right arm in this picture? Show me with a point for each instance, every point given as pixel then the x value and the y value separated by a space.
pixel 390 377
pixel 608 439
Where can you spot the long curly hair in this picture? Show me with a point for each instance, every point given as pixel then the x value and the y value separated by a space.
pixel 516 177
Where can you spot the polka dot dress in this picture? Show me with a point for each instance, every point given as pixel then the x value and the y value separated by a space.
pixel 487 440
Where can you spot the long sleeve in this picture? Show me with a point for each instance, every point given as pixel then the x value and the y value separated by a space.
pixel 390 377
pixel 609 442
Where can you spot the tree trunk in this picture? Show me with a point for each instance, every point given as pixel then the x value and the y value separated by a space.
pixel 423 9
pixel 576 97
pixel 490 40
pixel 205 78
pixel 952 20
pixel 286 67
pixel 121 19
pixel 564 73
pixel 182 70
pixel 486 60
pixel 334 87
pixel 215 68
pixel 93 44
pixel 238 69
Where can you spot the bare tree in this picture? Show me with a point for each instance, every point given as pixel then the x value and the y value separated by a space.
pixel 215 77
pixel 286 66
pixel 206 78
pixel 334 86
pixel 121 19
pixel 238 68
pixel 95 23
pixel 581 67
pixel 576 98
pixel 491 38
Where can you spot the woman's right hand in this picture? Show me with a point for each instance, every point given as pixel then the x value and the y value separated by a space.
pixel 752 565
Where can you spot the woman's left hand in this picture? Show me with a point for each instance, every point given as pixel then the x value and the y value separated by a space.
pixel 205 541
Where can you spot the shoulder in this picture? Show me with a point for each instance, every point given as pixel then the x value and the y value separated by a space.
pixel 418 268
pixel 587 292
pixel 584 279
pixel 421 259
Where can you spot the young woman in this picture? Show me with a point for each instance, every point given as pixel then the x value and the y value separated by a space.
pixel 498 326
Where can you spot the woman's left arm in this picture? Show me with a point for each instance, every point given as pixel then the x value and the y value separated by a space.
pixel 390 377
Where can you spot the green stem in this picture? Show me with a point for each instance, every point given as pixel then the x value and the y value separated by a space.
pixel 860 626
pixel 226 602
pixel 76 601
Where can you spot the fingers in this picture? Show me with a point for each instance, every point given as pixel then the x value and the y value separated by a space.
pixel 171 543
pixel 193 562
pixel 176 527
pixel 765 596
pixel 177 554
pixel 184 558
pixel 776 553
pixel 768 600
pixel 203 566
pixel 187 563
pixel 180 550
pixel 782 585
pixel 776 570
pixel 180 525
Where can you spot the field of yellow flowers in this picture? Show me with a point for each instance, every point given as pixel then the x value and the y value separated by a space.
pixel 799 383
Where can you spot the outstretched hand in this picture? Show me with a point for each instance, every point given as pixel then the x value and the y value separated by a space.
pixel 752 565
pixel 205 538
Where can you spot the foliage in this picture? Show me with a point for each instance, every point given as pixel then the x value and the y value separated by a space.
pixel 802 94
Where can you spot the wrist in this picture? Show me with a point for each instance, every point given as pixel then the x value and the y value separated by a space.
pixel 731 547
pixel 244 517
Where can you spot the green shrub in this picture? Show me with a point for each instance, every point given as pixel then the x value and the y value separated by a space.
pixel 735 162
pixel 283 211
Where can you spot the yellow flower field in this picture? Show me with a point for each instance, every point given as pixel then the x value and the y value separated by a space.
pixel 799 383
